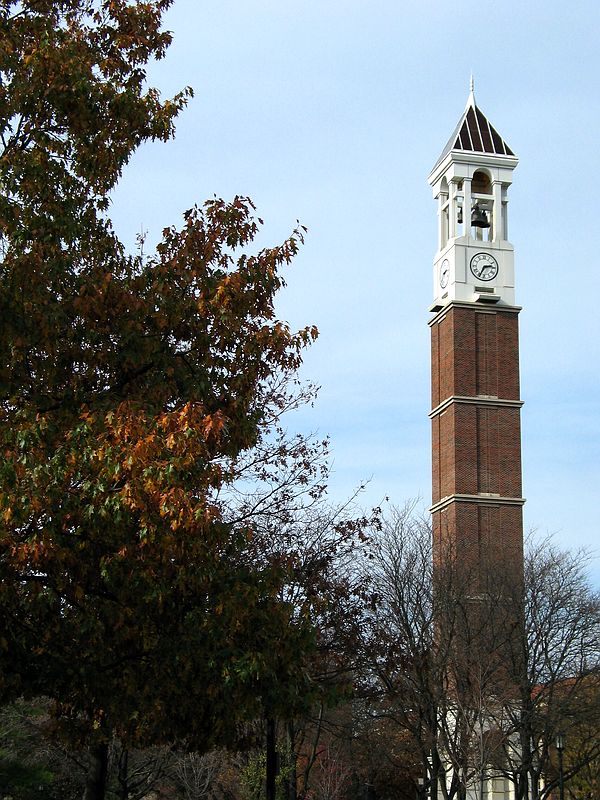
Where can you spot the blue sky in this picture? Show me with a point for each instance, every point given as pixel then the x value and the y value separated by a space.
pixel 333 112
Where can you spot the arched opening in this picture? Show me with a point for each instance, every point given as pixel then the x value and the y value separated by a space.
pixel 481 183
pixel 482 207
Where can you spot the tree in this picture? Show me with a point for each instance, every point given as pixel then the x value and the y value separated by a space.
pixel 132 390
pixel 319 544
pixel 464 720
pixel 409 675
pixel 198 776
pixel 582 748
pixel 555 666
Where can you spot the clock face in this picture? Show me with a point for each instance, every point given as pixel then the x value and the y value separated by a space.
pixel 484 266
pixel 444 273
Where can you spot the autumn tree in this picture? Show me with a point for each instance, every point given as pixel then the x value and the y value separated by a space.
pixel 132 390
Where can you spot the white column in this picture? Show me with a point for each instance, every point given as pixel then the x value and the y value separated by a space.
pixel 443 231
pixel 452 211
pixel 498 232
pixel 467 205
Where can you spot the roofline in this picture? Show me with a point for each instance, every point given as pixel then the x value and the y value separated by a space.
pixel 463 123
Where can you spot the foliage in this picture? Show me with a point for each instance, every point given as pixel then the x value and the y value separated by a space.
pixel 30 765
pixel 73 107
pixel 131 391
pixel 582 749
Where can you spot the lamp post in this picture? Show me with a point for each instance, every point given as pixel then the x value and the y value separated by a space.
pixel 560 746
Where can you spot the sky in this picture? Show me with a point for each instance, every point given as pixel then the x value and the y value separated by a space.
pixel 333 112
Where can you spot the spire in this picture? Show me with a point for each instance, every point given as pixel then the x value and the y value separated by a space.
pixel 474 134
pixel 471 100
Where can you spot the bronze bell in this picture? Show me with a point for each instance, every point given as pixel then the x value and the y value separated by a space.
pixel 459 216
pixel 479 218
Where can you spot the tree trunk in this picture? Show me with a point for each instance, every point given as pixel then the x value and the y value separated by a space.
pixel 95 783
pixel 124 774
pixel 292 776
pixel 435 775
pixel 271 759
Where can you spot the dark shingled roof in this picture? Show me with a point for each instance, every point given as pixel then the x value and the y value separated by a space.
pixel 474 134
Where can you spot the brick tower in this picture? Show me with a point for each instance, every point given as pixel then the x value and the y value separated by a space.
pixel 476 440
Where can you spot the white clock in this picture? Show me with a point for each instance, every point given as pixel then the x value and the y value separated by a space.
pixel 484 266
pixel 444 273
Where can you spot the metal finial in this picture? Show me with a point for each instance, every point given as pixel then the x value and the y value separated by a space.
pixel 471 99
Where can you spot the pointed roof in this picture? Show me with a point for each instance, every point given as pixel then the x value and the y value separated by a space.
pixel 474 134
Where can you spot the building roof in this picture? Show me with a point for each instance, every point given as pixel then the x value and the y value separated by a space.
pixel 475 134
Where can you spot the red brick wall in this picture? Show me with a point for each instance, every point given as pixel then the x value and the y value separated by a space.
pixel 476 449
pixel 485 542
pixel 474 352
pixel 476 446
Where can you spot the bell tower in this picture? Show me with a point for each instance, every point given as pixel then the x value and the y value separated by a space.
pixel 476 439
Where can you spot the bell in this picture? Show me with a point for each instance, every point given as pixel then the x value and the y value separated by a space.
pixel 459 216
pixel 479 218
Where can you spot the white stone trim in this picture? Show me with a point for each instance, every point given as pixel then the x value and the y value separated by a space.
pixel 471 158
pixel 498 308
pixel 495 402
pixel 481 499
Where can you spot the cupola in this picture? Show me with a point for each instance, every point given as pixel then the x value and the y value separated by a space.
pixel 470 182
